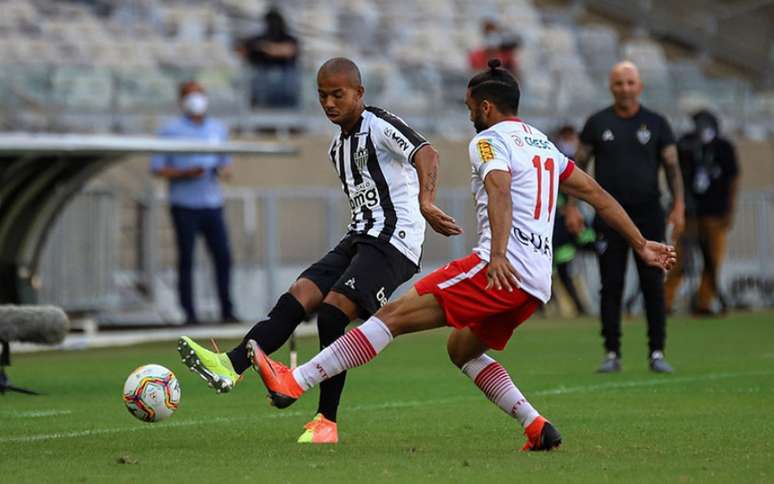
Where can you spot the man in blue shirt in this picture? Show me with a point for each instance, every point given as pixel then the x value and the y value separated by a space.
pixel 195 197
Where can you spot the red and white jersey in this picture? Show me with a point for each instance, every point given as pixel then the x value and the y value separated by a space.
pixel 536 168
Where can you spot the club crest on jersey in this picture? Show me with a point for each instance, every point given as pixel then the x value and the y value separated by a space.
pixel 643 134
pixel 485 150
pixel 361 158
pixel 607 135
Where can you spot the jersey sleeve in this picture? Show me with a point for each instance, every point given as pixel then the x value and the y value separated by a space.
pixel 397 137
pixel 488 152
pixel 565 167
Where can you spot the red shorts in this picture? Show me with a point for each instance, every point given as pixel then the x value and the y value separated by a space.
pixel 492 315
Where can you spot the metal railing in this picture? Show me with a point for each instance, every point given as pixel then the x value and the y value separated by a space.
pixel 111 254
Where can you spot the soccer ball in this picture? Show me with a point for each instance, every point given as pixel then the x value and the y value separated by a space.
pixel 151 393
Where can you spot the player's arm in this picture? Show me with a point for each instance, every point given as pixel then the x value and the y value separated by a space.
pixel 675 180
pixel 580 185
pixel 573 218
pixel 426 162
pixel 500 272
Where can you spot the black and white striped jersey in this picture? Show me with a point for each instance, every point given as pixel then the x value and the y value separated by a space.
pixel 375 163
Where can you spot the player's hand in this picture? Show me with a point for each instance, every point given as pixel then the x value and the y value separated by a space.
pixel 500 274
pixel 657 254
pixel 573 219
pixel 439 220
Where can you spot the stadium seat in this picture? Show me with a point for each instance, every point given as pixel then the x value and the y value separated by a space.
pixel 82 89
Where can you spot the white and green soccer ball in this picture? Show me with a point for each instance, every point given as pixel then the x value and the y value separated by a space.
pixel 151 393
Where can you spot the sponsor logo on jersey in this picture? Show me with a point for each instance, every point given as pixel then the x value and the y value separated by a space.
pixel 361 158
pixel 517 140
pixel 350 283
pixel 381 297
pixel 538 143
pixel 541 244
pixel 643 135
pixel 607 135
pixel 399 140
pixel 363 195
pixel 485 150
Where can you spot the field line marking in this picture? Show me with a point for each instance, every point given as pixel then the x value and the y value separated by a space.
pixel 666 380
pixel 34 413
pixel 663 380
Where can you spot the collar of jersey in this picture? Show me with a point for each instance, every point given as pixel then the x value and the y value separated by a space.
pixel 355 129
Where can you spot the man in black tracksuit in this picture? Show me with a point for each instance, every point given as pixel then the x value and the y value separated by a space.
pixel 629 144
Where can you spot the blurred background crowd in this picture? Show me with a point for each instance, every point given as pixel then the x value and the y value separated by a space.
pixel 115 66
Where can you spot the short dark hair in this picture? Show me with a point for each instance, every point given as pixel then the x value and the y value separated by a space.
pixel 497 86
pixel 186 87
pixel 565 130
pixel 339 65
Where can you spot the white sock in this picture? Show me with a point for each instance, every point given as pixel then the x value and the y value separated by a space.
pixel 357 347
pixel 494 381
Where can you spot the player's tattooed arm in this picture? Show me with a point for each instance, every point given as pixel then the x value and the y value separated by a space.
pixel 675 180
pixel 573 218
pixel 580 185
pixel 426 162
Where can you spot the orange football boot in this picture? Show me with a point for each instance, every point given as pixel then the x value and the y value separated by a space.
pixel 278 378
pixel 541 435
pixel 320 431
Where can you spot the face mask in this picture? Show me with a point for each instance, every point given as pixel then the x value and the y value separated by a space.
pixel 195 104
pixel 707 135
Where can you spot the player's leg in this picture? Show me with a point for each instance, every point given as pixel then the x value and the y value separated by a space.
pixel 652 285
pixel 216 238
pixel 333 316
pixel 376 270
pixel 410 313
pixel 184 221
pixel 613 252
pixel 221 370
pixel 303 297
pixel 467 352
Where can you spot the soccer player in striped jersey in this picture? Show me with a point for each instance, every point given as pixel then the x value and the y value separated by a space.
pixel 389 173
pixel 486 295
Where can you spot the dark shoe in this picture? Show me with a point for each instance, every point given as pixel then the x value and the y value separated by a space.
pixel 611 364
pixel 658 364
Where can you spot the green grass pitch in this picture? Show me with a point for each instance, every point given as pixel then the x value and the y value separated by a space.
pixel 410 416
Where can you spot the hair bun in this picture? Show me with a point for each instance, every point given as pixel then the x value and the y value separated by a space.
pixel 494 63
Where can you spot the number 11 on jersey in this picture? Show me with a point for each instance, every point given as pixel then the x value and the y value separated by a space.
pixel 549 167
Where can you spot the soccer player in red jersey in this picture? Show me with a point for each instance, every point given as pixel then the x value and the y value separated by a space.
pixel 486 295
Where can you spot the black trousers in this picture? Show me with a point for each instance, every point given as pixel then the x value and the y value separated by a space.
pixel 613 253
pixel 189 222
